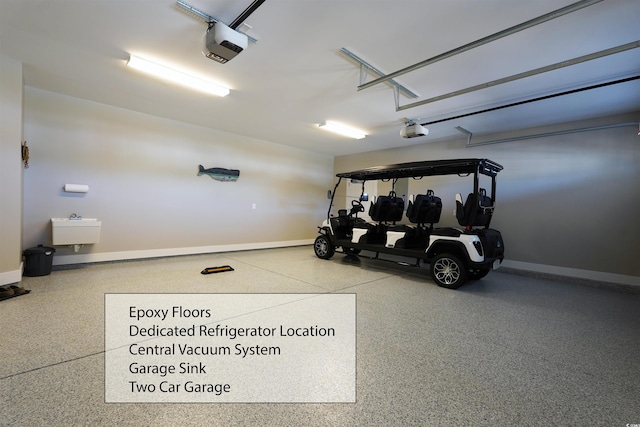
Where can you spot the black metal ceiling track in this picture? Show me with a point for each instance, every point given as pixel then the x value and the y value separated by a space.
pixel 541 98
pixel 244 15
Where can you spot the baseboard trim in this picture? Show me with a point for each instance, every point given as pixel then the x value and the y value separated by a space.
pixel 9 277
pixel 16 276
pixel 158 253
pixel 598 276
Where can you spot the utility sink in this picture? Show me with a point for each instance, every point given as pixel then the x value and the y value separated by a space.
pixel 75 231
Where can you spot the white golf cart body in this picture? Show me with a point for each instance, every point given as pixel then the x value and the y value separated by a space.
pixel 454 254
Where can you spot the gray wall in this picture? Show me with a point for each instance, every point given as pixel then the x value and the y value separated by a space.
pixel 566 204
pixel 10 170
pixel 142 174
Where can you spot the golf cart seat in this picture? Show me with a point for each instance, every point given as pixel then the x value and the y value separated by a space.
pixel 426 209
pixel 342 224
pixel 387 208
pixel 476 211
pixel 343 218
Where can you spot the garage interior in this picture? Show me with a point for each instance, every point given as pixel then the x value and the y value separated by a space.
pixel 550 90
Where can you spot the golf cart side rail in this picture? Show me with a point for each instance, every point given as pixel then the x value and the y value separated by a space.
pixel 426 168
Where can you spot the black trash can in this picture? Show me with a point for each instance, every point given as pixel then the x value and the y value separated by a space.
pixel 38 261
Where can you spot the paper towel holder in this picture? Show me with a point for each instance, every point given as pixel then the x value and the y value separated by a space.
pixel 76 188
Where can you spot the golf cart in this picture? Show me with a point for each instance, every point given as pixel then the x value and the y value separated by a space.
pixel 454 254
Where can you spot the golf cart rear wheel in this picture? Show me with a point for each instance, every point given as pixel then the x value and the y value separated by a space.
pixel 448 271
pixel 351 251
pixel 323 247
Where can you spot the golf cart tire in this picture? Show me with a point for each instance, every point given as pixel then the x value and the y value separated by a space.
pixel 323 247
pixel 448 271
pixel 351 251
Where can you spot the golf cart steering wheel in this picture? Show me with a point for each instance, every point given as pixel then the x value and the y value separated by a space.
pixel 356 206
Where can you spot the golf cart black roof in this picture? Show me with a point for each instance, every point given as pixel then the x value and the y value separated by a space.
pixel 426 168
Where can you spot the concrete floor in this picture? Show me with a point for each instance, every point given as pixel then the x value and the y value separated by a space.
pixel 507 350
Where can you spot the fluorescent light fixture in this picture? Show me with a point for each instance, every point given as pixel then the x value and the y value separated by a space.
pixel 176 76
pixel 342 129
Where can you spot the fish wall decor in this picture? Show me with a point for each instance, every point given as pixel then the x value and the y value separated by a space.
pixel 220 174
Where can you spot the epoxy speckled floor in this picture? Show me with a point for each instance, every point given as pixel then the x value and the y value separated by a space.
pixel 506 350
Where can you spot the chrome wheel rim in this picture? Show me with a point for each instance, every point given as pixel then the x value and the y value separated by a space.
pixel 321 247
pixel 446 271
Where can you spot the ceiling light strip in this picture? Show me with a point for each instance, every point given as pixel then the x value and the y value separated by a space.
pixel 558 65
pixel 493 37
pixel 341 129
pixel 175 76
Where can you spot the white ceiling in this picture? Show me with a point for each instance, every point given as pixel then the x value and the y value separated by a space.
pixel 295 76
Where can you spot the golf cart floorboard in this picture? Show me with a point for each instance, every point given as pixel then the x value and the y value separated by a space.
pixel 418 253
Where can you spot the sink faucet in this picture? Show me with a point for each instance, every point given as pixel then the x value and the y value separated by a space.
pixel 74 216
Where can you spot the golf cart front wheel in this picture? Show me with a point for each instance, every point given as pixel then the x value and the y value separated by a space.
pixel 323 247
pixel 448 271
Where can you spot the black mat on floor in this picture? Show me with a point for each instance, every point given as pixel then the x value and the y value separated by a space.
pixel 12 292
pixel 220 269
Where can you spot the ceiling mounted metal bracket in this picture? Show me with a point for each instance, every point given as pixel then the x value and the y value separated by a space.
pixel 545 134
pixel 490 38
pixel 545 69
pixel 466 132
pixel 540 98
pixel 207 18
pixel 365 67
pixel 396 96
